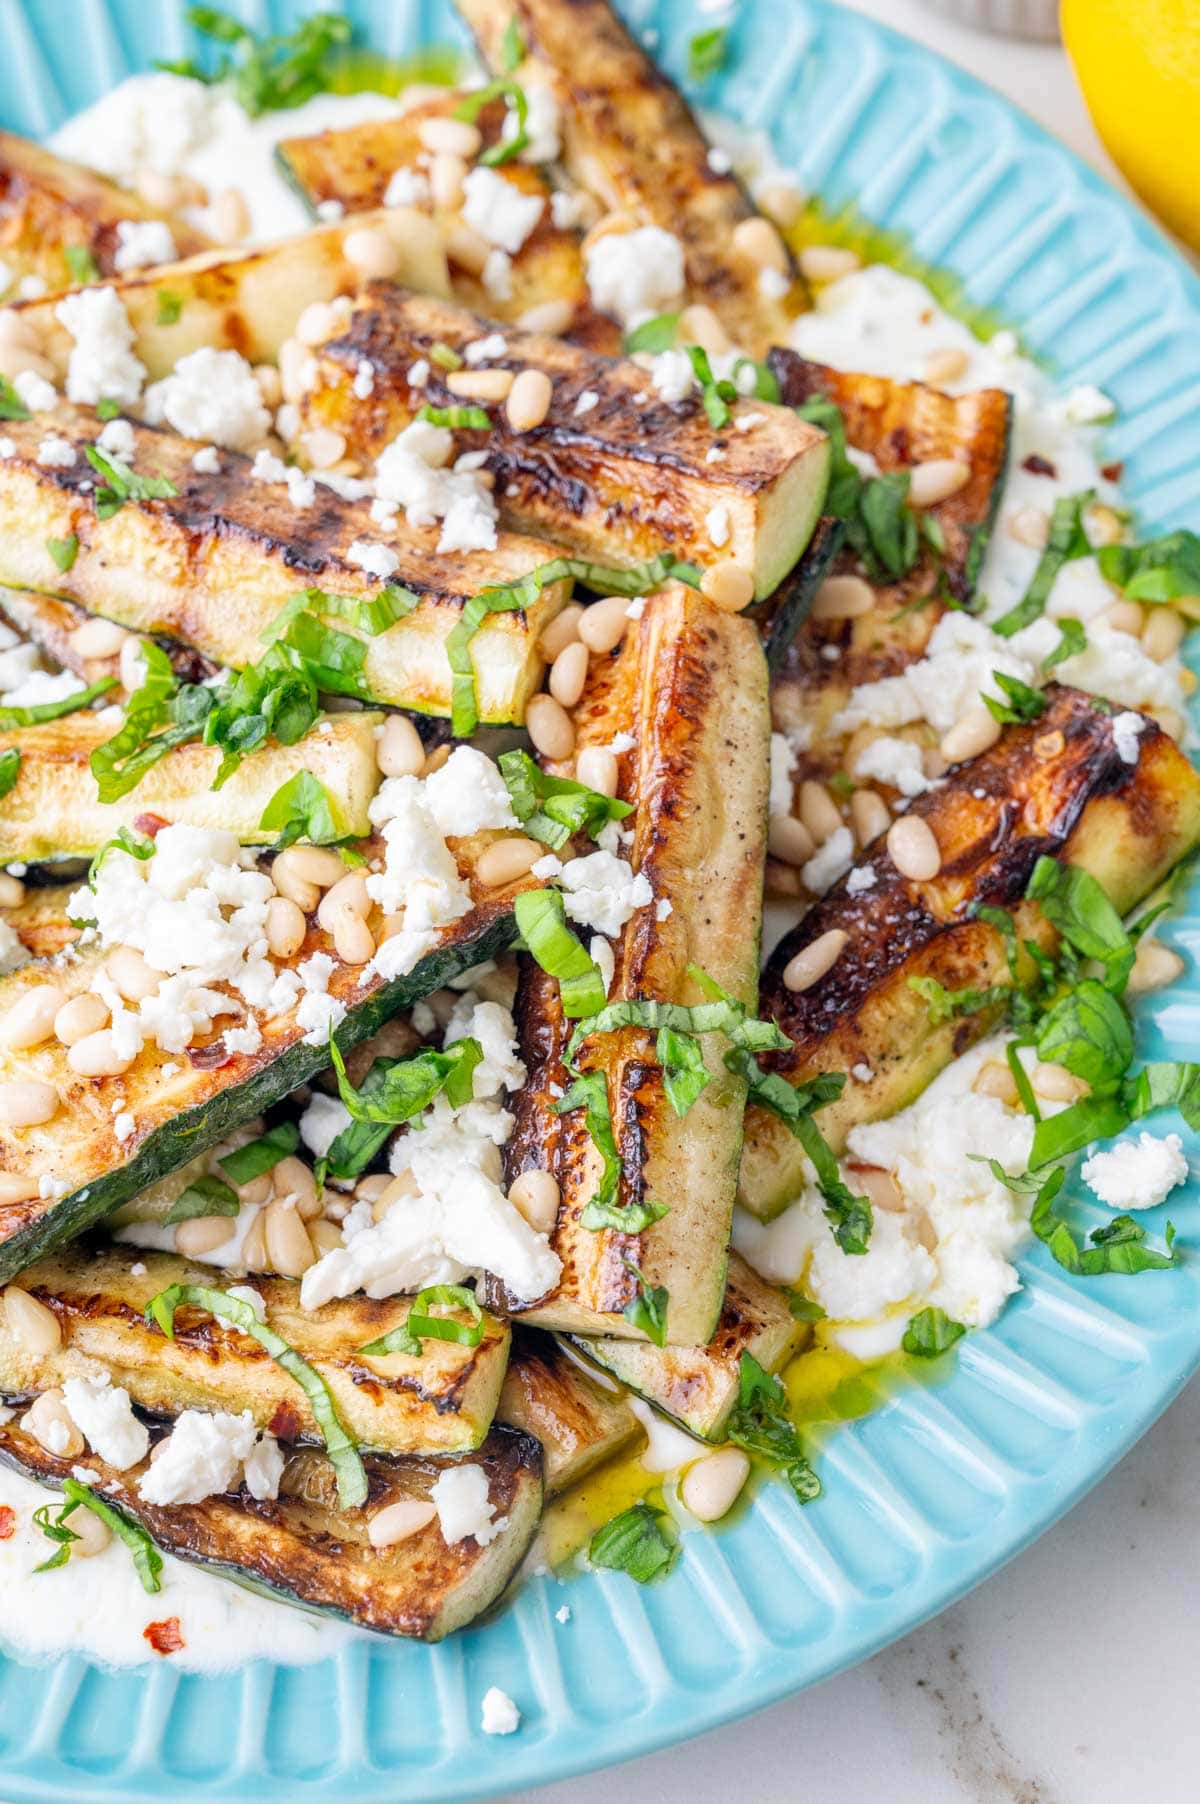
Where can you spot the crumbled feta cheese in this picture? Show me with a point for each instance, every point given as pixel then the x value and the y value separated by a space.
pixel 32 288
pixel 244 1039
pixel 634 275
pixel 318 1012
pixel 56 453
pixel 364 380
pixel 719 161
pixel 500 1715
pixel 322 1121
pixel 829 862
pixel 714 455
pixel 717 525
pixel 896 762
pixel 1137 1174
pixel 498 210
pixel 118 440
pixel 375 560
pixel 420 880
pixel 124 1125
pixel 460 1497
pixel 563 1613
pixel 864 878
pixel 411 473
pixel 783 769
pixel 862 1074
pixel 418 373
pixel 210 395
pixel 773 284
pixel 547 868
pixel 542 124
pixel 673 376
pixel 485 350
pixel 102 364
pixel 637 607
pixel 202 1457
pixel 141 242
pixel 39 686
pixel 664 908
pixel 1126 729
pixel 602 891
pixel 601 954
pixel 330 210
pixel 407 188
pixel 568 209
pixel 104 1417
pixel 262 1468
pixel 1086 405
pixel 497 275
pixel 468 794
pixel 37 394
pixel 8 447
pixel 586 400
pixel 621 742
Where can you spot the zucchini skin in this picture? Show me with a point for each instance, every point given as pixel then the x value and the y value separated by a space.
pixel 780 617
pixel 301 1549
pixel 1056 787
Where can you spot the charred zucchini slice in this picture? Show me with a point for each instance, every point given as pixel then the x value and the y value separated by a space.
pixel 630 138
pixel 303 1550
pixel 440 1402
pixel 48 205
pixel 689 688
pixel 698 1386
pixel 52 810
pixel 580 1417
pixel 1057 787
pixel 616 483
pixel 51 624
pixel 214 565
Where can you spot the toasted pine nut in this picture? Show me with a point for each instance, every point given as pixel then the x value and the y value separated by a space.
pixel 397 1189
pixel 12 891
pixel 827 262
pixel 270 385
pixel 254 1244
pixel 529 400
pixel 317 323
pixel 98 638
pixel 843 598
pixel 456 137
pixel 818 810
pixel 699 325
pixel 80 1016
pixel 398 750
pixel 294 1178
pixel 372 1187
pixel 936 480
pixel 1105 525
pixel 549 317
pixel 728 586
pixel 27 1104
pixel 401 1520
pixel 14 1188
pixel 973 732
pixel 869 816
pixel 447 174
pixel 257 1190
pixel 30 1021
pixel 92 1535
pixel 49 1422
pixel 353 940
pixel 326 1236
pixel 15 358
pixel 295 365
pixel 757 240
pixel 789 840
pixel 880 1186
pixel 1172 722
pixel 550 727
pixel 323 447
pixel 712 1486
pixel 467 247
pixel 1162 634
pixel 811 963
pixel 536 1194
pixel 18 329
pixel 568 673
pixel 158 190
pixel 1049 745
pixel 373 254
pixel 35 1327
pixel 603 624
pixel 96 1056
pixel 480 385
pixel 562 631
pixel 1155 966
pixel 231 216
pixel 289 1250
pixel 203 1234
pixel 914 850
pixel 995 1079
pixel 950 365
pixel 286 926
pixel 438 756
pixel 1125 617
pixel 1030 526
pixel 597 768
pixel 132 975
pixel 507 859
pixel 311 864
pixel 783 203
pixel 1057 1084
pixel 349 892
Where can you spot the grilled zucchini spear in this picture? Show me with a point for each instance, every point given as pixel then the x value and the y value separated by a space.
pixel 1057 787
pixel 616 483
pixel 213 565
pixel 580 1417
pixel 689 688
pixel 49 206
pixel 630 138
pixel 51 624
pixel 304 1550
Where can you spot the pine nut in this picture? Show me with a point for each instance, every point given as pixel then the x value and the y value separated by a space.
pixel 529 400
pixel 995 1079
pixel 818 811
pixel 203 1234
pixel 372 1187
pixel 15 358
pixel 712 1486
pixel 1172 722
pixel 257 1191
pixel 396 1191
pixel 158 190
pixel 466 247
pixel 92 1535
pixel 254 1244
pixel 270 387
pixel 326 1237
pixel 31 1020
pixel 562 631
pixel 98 639
pixel 1155 966
pixel 399 1521
pixel 782 203
pixel 14 1188
pixel 456 137
pixel 27 1104
pixel 827 262
pixel 294 1178
pixel 349 892
pixel 286 926
pixel 549 317
pixel 480 385
pixel 843 598
pixel 323 447
pixel 1049 745
pixel 373 254
pixel 96 1056
pixel 507 859
pixel 973 732
pixel 597 768
pixel 1125 617
pixel 811 963
pixel 869 816
pixel 81 1016
pixel 936 480
pixel 880 1187
pixel 132 975
pixel 789 840
pixel 398 750
pixel 950 365
pixel 914 850
pixel 438 756
pixel 447 173
pixel 699 325
pixel 294 369
pixel 231 217
pixel 1105 525
pixel 289 1250
pixel 311 864
pixel 1057 1084
pixel 17 329
pixel 728 586
pixel 317 323
pixel 12 891
pixel 1030 526
pixel 49 1422
pixel 934 762
pixel 604 624
pixel 35 1327
pixel 1162 634
pixel 353 940
pixel 568 673
pixel 757 240
pixel 550 727
pixel 536 1194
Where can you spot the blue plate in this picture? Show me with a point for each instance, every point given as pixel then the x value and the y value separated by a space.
pixel 943 1484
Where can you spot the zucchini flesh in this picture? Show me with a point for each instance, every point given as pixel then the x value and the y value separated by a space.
pixel 51 623
pixel 581 1419
pixel 617 483
pixel 689 685
pixel 301 1549
pixel 698 1386
pixel 993 818
pixel 52 810
pixel 441 1401
pixel 213 567
pixel 40 920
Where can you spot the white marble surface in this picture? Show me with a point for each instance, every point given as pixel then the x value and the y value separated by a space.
pixel 1070 1677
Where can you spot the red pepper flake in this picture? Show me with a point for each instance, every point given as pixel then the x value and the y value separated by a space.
pixel 165 1637
pixel 8 1522
pixel 1039 466
pixel 1112 472
pixel 149 824
pixel 285 1424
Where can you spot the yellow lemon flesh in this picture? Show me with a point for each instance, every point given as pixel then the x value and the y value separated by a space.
pixel 1138 63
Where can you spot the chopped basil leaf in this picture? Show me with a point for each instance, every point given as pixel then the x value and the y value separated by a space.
pixel 81 265
pixel 423 1325
pixel 560 953
pixel 512 47
pixel 1088 1031
pixel 257 1156
pixel 884 529
pixel 359 1141
pixel 944 1004
pixel 681 1059
pixel 123 484
pixel 1023 704
pixel 1072 640
pixel 761 1425
pixel 623 1218
pixel 147 1560
pixel 123 840
pixel 1166 1084
pixel 1091 1118
pixel 850 1216
pixel 122 761
pixel 707 52
pixel 722 1015
pixel 203 1196
pixel 1020 1077
pixel 1166 569
pixel 63 551
pixel 1067 540
pixel 648 1309
pixel 766 384
pixel 930 1332
pixel 714 395
pixel 845 482
pixel 551 809
pixel 517 103
pixel 408 1086
pixel 302 808
pixel 654 335
pixel 1117 1248
pixel 634 1542
pixel 1073 901
pixel 10 769
pixel 269 73
pixel 106 409
pixel 11 405
pixel 343 1454
pixel 803 1309
pixel 457 418
pixel 170 307
pixel 70 704
pixel 444 356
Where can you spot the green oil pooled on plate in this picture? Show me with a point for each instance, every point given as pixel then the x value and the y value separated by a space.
pixel 368 72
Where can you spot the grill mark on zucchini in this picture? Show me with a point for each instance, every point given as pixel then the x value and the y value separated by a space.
pixel 581 1420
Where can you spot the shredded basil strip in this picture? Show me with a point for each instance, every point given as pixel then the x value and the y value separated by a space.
pixel 422 1325
pixel 850 1216
pixel 761 1425
pixel 270 73
pixel 931 1332
pixel 122 484
pixel 654 335
pixel 647 1310
pixel 64 551
pixel 302 808
pixel 147 1560
pixel 542 921
pixel 408 1086
pixel 343 1454
pixel 634 1542
pixel 1073 901
pixel 82 266
pixel 1023 704
pixel 726 1015
pixel 257 1156
pixel 203 1196
pixel 170 307
pixel 517 103
pixel 464 419
pixel 11 405
pixel 551 809
pixel 1165 569
pixel 359 1141
pixel 1072 640
pixel 944 1004
pixel 33 715
pixel 445 356
pixel 708 52
pixel 1068 540
pixel 512 47
pixel 715 395
pixel 10 769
